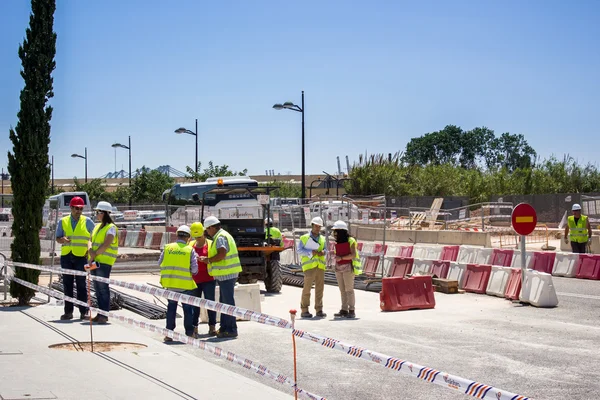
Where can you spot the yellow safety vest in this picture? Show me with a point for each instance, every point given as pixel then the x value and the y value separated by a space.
pixel 98 236
pixel 79 237
pixel 230 264
pixel 356 264
pixel 313 262
pixel 175 272
pixel 578 233
pixel 275 235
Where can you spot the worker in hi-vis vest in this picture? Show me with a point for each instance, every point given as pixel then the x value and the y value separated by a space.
pixel 224 265
pixel 311 250
pixel 578 230
pixel 178 265
pixel 73 233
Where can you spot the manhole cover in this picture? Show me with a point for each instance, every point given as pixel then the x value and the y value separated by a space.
pixel 98 346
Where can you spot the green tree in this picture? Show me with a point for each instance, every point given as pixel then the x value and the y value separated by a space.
pixel 149 185
pixel 94 188
pixel 511 152
pixel 28 164
pixel 213 171
pixel 121 195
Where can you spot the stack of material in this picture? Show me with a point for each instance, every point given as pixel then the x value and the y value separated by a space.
pixel 294 278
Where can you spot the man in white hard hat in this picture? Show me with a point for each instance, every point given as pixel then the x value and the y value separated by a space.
pixel 578 230
pixel 224 265
pixel 312 258
pixel 178 264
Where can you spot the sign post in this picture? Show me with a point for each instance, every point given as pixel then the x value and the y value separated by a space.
pixel 524 220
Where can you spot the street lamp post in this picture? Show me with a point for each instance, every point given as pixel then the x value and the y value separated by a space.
pixel 183 130
pixel 52 166
pixel 3 177
pixel 85 158
pixel 288 105
pixel 128 148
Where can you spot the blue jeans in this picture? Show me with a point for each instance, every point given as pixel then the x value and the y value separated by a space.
pixel 76 263
pixel 187 315
pixel 208 288
pixel 226 290
pixel 102 290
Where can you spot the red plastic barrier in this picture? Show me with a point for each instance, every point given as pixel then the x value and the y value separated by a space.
pixel 122 234
pixel 288 243
pixel 141 239
pixel 378 248
pixel 513 285
pixel 172 229
pixel 502 258
pixel 401 266
pixel 543 261
pixel 405 251
pixel 370 266
pixel 440 269
pixel 156 240
pixel 360 245
pixel 399 294
pixel 476 278
pixel 588 267
pixel 449 253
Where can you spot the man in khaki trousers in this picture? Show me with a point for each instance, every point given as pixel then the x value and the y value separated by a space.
pixel 312 257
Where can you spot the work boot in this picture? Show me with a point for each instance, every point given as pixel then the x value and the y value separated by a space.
pixel 66 317
pixel 306 314
pixel 226 335
pixel 196 330
pixel 351 314
pixel 85 315
pixel 341 314
pixel 321 314
pixel 212 331
pixel 100 319
pixel 167 339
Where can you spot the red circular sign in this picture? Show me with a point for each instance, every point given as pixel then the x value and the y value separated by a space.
pixel 524 219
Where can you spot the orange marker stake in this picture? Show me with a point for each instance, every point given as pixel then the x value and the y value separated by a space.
pixel 293 318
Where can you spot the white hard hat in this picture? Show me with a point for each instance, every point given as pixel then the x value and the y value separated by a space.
pixel 268 221
pixel 210 221
pixel 103 206
pixel 340 225
pixel 576 207
pixel 184 229
pixel 317 221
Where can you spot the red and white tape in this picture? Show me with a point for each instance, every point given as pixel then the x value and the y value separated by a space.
pixel 217 351
pixel 467 386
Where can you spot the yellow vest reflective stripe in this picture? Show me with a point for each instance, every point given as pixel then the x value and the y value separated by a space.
pixel 275 235
pixel 109 256
pixel 356 264
pixel 578 233
pixel 175 272
pixel 313 262
pixel 79 237
pixel 231 263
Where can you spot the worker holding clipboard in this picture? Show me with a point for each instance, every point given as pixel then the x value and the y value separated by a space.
pixel 347 265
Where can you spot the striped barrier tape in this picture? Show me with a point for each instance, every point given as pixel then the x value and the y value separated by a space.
pixel 468 387
pixel 175 296
pixel 202 345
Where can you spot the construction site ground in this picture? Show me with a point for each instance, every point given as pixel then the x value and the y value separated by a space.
pixel 540 353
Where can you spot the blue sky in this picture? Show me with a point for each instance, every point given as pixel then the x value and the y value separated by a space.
pixel 375 74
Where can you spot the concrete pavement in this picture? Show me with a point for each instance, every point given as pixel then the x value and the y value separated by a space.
pixel 30 370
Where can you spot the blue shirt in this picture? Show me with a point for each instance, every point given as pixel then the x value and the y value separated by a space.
pixel 303 251
pixel 89 224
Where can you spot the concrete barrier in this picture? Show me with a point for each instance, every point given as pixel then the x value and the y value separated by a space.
pixel 362 232
pixel 498 280
pixel 595 247
pixel 245 296
pixel 538 290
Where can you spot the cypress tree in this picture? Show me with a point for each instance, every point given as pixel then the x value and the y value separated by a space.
pixel 28 163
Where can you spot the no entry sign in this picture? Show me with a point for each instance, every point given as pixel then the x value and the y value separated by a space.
pixel 524 219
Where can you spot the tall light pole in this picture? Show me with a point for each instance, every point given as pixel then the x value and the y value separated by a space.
pixel 183 130
pixel 128 148
pixel 288 105
pixel 85 158
pixel 52 166
pixel 3 177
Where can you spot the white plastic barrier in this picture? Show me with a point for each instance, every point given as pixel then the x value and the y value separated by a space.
pixel 516 260
pixel 456 273
pixel 538 289
pixel 422 267
pixel 367 249
pixel 466 254
pixel 148 240
pixel 387 265
pixel 132 238
pixel 565 264
pixel 392 251
pixel 245 296
pixel 286 257
pixel 166 239
pixel 498 280
pixel 482 256
pixel 427 252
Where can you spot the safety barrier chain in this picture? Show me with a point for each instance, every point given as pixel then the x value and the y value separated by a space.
pixel 467 386
pixel 217 351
